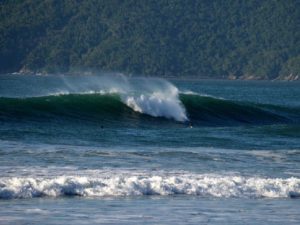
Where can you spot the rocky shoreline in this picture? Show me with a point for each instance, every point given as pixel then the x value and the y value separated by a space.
pixel 289 77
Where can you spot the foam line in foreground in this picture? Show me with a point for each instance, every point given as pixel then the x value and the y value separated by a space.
pixel 205 185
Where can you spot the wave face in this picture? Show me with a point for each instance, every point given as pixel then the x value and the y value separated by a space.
pixel 214 111
pixel 139 184
pixel 199 110
pixel 137 101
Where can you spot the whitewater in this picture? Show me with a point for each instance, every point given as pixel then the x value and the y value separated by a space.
pixel 111 149
pixel 136 184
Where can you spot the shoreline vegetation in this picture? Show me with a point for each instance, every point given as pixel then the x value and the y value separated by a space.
pixel 235 40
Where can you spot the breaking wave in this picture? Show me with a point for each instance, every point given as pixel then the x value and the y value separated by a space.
pixel 137 101
pixel 130 184
pixel 200 110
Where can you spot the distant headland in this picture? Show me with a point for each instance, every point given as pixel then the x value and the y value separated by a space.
pixel 236 40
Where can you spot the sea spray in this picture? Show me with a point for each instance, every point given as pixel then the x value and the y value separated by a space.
pixel 158 104
pixel 151 96
pixel 155 97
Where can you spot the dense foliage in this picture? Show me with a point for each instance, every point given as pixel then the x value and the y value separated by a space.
pixel 213 38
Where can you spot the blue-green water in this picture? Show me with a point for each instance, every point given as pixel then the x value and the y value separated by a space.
pixel 99 149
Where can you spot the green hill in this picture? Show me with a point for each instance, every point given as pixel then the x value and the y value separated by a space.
pixel 213 38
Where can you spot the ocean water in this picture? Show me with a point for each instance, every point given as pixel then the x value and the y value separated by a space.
pixel 117 150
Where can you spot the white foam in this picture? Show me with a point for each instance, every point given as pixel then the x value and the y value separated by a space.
pixel 190 93
pixel 88 92
pixel 147 183
pixel 58 93
pixel 276 156
pixel 158 104
pixel 155 97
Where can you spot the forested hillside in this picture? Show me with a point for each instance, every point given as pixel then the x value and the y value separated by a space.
pixel 214 38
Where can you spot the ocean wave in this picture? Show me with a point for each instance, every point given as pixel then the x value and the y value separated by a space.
pixel 135 100
pixel 199 110
pixel 131 184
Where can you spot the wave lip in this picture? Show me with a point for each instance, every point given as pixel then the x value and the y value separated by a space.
pixel 205 185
